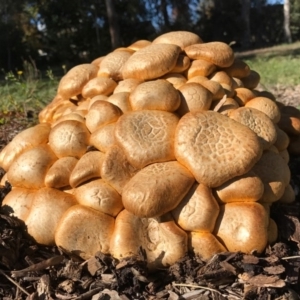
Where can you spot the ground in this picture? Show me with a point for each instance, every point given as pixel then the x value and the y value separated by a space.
pixel 32 271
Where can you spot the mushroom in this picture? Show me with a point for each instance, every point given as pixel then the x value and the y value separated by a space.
pixel 164 147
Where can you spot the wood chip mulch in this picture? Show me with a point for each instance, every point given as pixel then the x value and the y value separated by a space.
pixel 31 271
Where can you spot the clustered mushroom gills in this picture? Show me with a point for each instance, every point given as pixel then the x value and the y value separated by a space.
pixel 166 146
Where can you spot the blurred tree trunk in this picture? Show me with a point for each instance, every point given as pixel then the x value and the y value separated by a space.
pixel 286 22
pixel 246 5
pixel 114 29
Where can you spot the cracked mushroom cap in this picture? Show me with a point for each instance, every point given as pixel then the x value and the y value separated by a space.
pixel 167 184
pixel 146 136
pixel 213 147
pixel 257 121
pixel 243 226
pixel 198 211
pixel 69 138
pixel 84 241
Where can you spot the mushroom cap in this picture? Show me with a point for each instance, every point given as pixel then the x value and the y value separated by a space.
pixel 151 62
pixel 198 211
pixel 243 95
pixel 69 138
pixel 217 53
pixel 116 169
pixel 80 173
pixel 47 208
pixel 224 107
pixel 167 184
pixel 194 98
pixel 294 145
pixel 22 142
pixel 285 155
pixel 101 113
pixel 139 45
pixel 200 67
pixel 121 100
pixel 84 241
pixel 146 136
pixel 161 239
pixel 205 244
pixel 155 95
pixel 103 137
pixel 282 140
pixel 257 121
pixel 30 168
pixel 112 64
pixel 99 195
pixel 238 69
pixel 72 83
pixel 247 187
pixel 288 196
pixel 175 79
pixel 18 202
pixel 289 124
pixel 275 175
pixel 59 173
pixel 127 85
pixel 98 86
pixel 70 116
pixel 272 232
pixel 179 38
pixel 267 106
pixel 182 63
pixel 252 80
pixel 213 147
pixel 243 226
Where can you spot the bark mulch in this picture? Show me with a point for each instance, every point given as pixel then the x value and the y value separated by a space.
pixel 31 271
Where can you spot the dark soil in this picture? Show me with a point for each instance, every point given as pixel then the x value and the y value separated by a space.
pixel 32 271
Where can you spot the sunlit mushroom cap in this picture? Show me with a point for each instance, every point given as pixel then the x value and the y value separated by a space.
pixel 76 78
pixel 243 226
pixel 98 86
pixel 151 62
pixel 167 184
pixel 217 53
pixel 213 147
pixel 47 208
pixel 198 210
pixel 84 241
pixel 30 168
pixel 147 136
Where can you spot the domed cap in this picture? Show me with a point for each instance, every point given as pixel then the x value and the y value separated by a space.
pixel 121 100
pixel 162 240
pixel 198 211
pixel 88 167
pixel 182 63
pixel 205 245
pixel 103 137
pixel 210 145
pixel 59 173
pixel 151 62
pixel 30 168
pixel 257 121
pixel 217 53
pixel 73 82
pixel 179 38
pixel 99 195
pixel 238 69
pixel 23 141
pixel 247 187
pixel 200 67
pixel 18 202
pixel 84 231
pixel 275 175
pixel 69 138
pixel 116 169
pixel 156 189
pixel 112 64
pixel 47 208
pixel 243 226
pixel 147 136
pixel 155 95
pixel 267 106
pixel 98 86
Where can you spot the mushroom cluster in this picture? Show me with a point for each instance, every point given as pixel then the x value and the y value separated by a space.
pixel 165 146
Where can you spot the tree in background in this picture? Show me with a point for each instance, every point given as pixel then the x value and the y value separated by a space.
pixel 286 23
